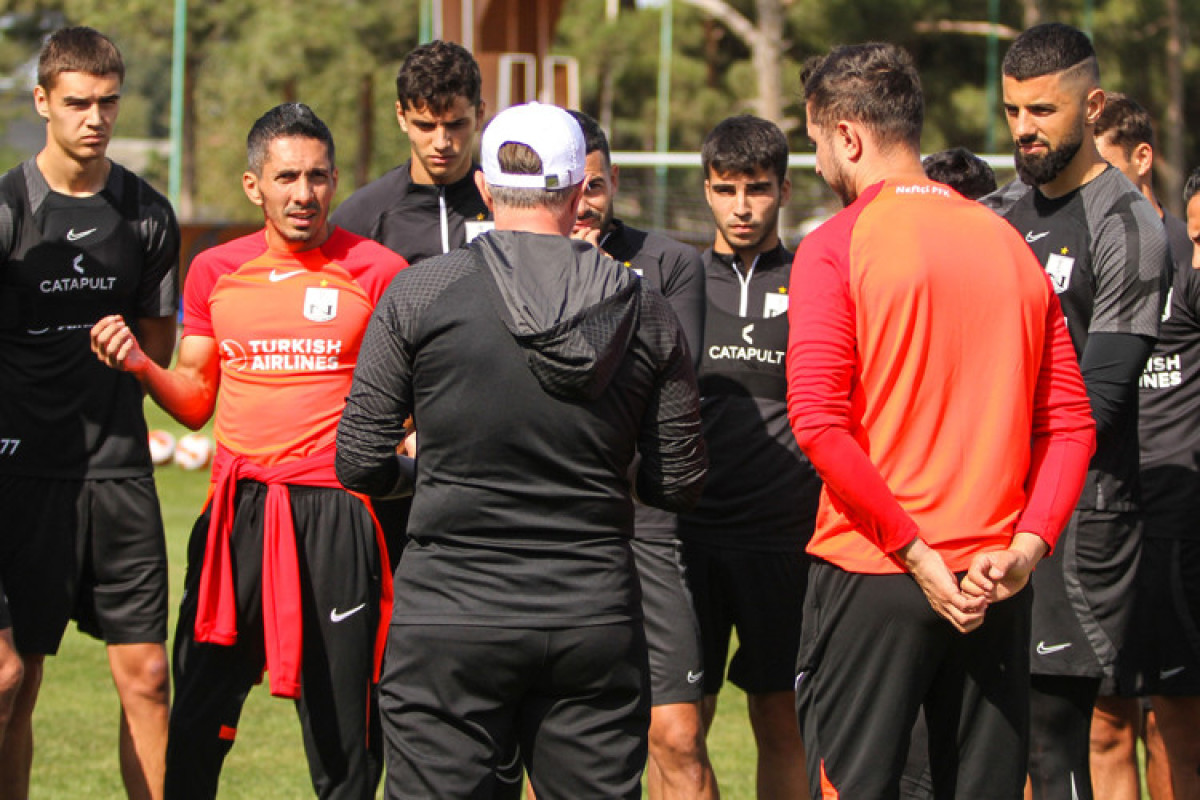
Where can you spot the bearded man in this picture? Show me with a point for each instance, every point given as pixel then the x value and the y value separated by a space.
pixel 1104 249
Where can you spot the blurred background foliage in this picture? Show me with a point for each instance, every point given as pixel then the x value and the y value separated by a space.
pixel 341 56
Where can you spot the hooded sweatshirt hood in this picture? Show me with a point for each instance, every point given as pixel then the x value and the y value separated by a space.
pixel 571 307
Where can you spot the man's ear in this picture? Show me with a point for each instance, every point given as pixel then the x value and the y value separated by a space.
pixel 250 187
pixel 848 136
pixel 1095 106
pixel 1142 158
pixel 481 185
pixel 400 117
pixel 41 102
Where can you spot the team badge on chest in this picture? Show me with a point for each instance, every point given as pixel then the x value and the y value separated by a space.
pixel 775 305
pixel 320 305
pixel 1059 267
pixel 475 227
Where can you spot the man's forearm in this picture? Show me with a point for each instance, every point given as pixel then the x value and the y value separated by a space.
pixel 157 338
pixel 850 476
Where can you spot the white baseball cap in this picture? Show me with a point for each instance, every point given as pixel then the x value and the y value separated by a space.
pixel 547 130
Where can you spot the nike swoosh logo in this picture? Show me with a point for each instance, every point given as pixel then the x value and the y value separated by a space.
pixel 72 236
pixel 1170 673
pixel 338 616
pixel 1044 649
pixel 1032 237
pixel 276 277
pixel 694 677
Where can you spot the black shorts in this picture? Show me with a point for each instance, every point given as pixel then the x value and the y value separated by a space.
pixel 761 594
pixel 1083 596
pixel 1163 650
pixel 457 700
pixel 873 653
pixel 672 634
pixel 91 550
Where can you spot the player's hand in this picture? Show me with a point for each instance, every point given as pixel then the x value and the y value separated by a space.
pixel 115 345
pixel 1000 574
pixel 408 445
pixel 945 596
pixel 587 233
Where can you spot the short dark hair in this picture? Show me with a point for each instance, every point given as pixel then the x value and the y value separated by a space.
pixel 1048 49
pixel 286 119
pixel 875 84
pixel 78 49
pixel 1192 187
pixel 961 170
pixel 1125 122
pixel 593 135
pixel 434 74
pixel 743 145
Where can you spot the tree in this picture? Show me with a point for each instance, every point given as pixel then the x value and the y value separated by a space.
pixel 764 38
pixel 340 57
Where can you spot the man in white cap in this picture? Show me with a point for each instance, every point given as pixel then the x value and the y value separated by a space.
pixel 534 366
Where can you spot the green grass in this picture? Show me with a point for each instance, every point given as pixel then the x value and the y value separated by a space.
pixel 76 717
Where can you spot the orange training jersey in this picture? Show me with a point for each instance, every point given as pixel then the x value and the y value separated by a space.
pixel 288 328
pixel 928 366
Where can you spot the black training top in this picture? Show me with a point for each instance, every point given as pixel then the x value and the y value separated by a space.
pixel 415 220
pixel 671 267
pixel 534 366
pixel 761 492
pixel 65 262
pixel 1105 251
pixel 1170 398
pixel 675 270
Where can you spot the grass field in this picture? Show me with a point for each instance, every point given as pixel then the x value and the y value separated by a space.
pixel 76 717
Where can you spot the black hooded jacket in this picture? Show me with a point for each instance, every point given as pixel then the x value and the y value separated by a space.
pixel 534 367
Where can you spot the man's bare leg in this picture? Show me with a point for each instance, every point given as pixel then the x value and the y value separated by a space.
pixel 16 753
pixel 1116 722
pixel 1158 767
pixel 781 771
pixel 678 767
pixel 142 678
pixel 1179 722
pixel 11 670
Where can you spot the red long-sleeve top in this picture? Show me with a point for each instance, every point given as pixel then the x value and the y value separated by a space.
pixel 931 382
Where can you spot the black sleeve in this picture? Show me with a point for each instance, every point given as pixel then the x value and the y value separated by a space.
pixel 674 461
pixel 683 285
pixel 372 424
pixel 1111 365
pixel 158 289
pixel 8 216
